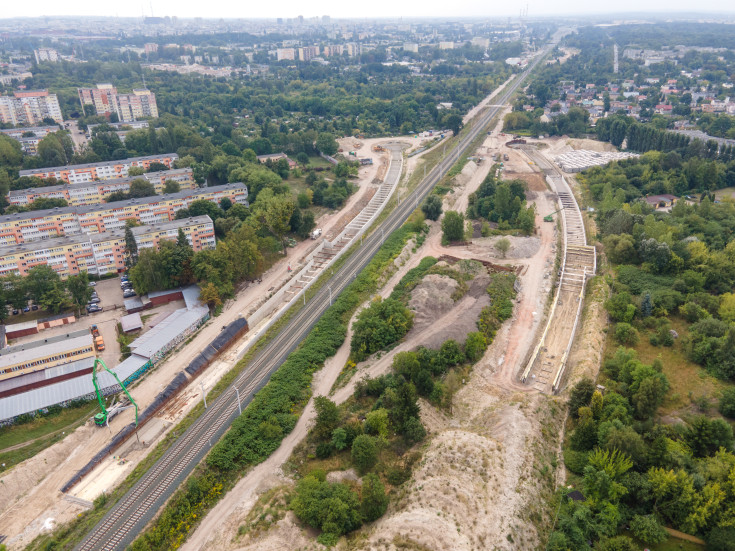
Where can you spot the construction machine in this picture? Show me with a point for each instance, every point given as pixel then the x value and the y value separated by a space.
pixel 102 419
pixel 550 217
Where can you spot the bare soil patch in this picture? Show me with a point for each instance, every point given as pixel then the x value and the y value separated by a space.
pixel 432 298
pixel 535 180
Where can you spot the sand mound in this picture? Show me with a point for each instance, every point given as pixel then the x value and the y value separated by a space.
pixel 431 298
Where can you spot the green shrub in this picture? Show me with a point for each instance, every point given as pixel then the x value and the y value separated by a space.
pixel 575 461
pixel 626 334
pixel 332 508
pixel 475 346
pixel 364 453
pixel 727 403
pixel 648 530
pixel 381 324
pixel 373 500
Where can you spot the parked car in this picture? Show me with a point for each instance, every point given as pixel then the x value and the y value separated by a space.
pixel 34 307
pixel 91 308
pixel 27 309
pixel 94 300
pixel 129 293
pixel 15 312
pixel 92 284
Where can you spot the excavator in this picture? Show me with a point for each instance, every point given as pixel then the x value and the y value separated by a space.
pixel 550 217
pixel 101 419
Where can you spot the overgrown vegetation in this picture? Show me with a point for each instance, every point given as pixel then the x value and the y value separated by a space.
pixel 272 413
pixel 375 430
pixel 638 472
pixel 502 202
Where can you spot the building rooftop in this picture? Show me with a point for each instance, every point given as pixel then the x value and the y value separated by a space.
pixel 94 183
pixel 33 171
pixel 131 322
pixel 45 374
pixel 13 355
pixel 73 239
pixel 71 389
pixel 84 209
pixel 166 331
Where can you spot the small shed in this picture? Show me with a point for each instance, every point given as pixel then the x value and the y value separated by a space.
pixel 131 322
pixel 661 201
pixel 56 321
pixel 164 297
pixel 21 329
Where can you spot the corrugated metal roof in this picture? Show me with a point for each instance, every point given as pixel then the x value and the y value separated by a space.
pixel 133 303
pixel 168 330
pixel 12 357
pixel 45 374
pixel 22 326
pixel 131 322
pixel 72 389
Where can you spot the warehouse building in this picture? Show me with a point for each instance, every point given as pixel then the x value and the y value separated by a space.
pixel 22 359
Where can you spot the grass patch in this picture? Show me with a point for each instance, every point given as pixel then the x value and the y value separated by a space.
pixel 40 433
pixel 689 381
pixel 675 544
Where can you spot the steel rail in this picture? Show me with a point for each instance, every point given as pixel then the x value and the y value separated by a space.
pixel 129 516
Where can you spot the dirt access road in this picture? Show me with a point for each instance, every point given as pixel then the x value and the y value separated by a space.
pixel 29 493
pixel 220 526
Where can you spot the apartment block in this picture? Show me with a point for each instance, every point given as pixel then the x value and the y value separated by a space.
pixel 46 54
pixel 75 174
pixel 127 107
pixel 29 144
pixel 150 47
pixel 333 49
pixel 286 54
pixel 101 253
pixel 353 49
pixel 25 358
pixel 23 227
pixel 93 193
pixel 29 107
pixel 307 53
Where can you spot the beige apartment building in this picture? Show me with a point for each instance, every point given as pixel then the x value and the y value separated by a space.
pixel 128 107
pixel 93 193
pixel 76 174
pixel 101 253
pixel 23 227
pixel 29 107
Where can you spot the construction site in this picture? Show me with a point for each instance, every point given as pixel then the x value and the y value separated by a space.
pixel 153 400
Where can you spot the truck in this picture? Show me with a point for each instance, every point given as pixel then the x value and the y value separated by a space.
pixel 95 331
pixel 99 343
pixel 316 233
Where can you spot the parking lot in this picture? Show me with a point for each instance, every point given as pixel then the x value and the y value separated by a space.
pixel 111 302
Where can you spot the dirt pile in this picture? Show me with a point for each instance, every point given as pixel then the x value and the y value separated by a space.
pixel 432 303
pixel 431 298
pixel 480 485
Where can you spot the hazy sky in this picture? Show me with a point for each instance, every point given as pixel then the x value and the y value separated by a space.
pixel 352 8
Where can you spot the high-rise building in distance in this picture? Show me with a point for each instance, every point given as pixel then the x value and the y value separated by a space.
pixel 128 107
pixel 29 108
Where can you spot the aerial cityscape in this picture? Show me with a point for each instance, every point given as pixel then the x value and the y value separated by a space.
pixel 430 281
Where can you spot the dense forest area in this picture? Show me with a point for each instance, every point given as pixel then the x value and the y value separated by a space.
pixel 652 446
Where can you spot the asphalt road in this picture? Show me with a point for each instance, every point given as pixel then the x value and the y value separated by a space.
pixel 128 518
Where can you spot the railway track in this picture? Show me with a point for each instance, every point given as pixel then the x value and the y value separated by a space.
pixel 128 518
